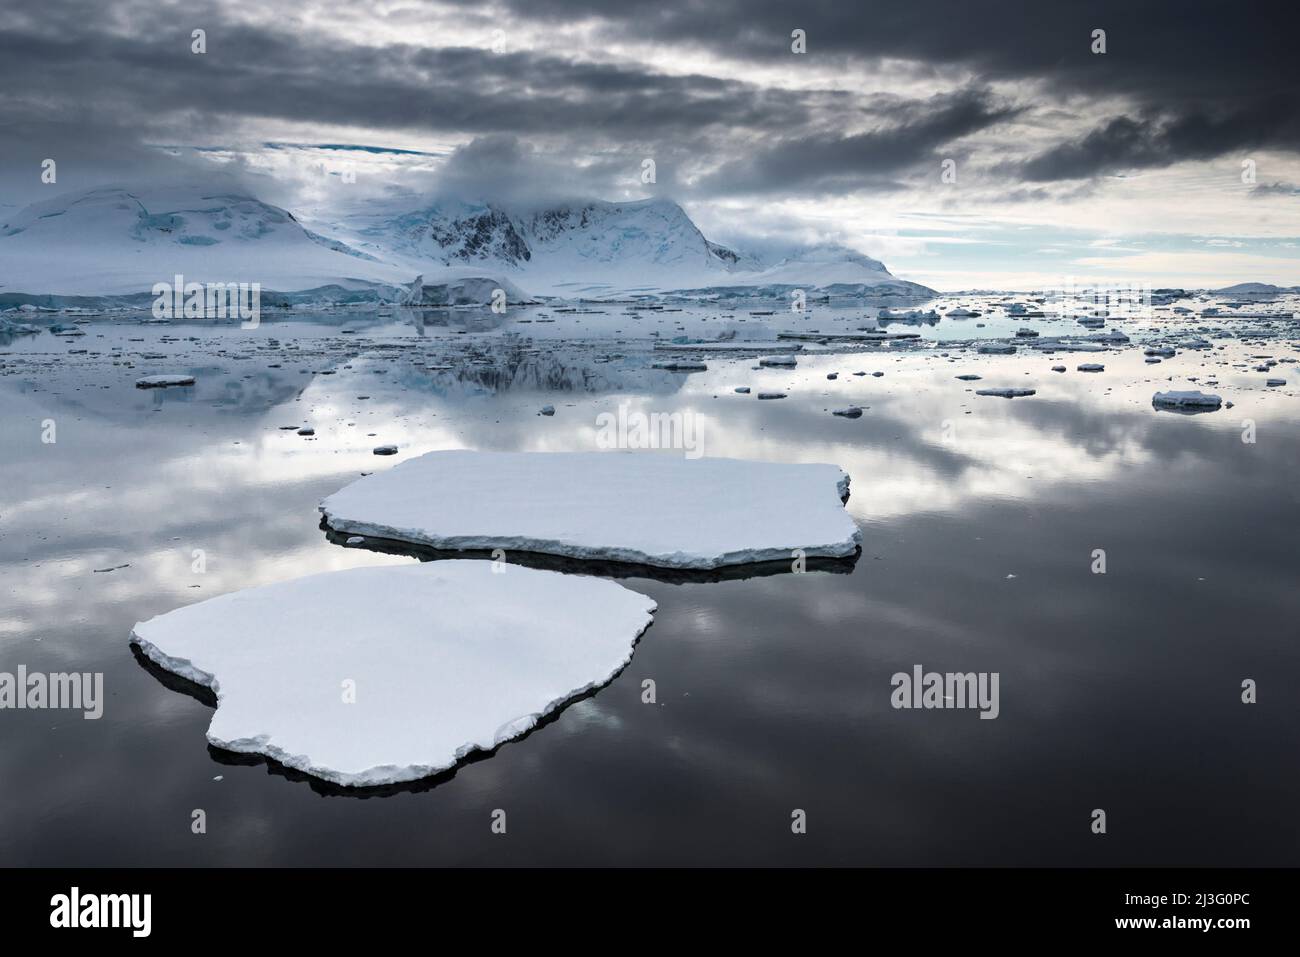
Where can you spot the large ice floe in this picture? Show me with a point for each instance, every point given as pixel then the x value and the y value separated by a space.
pixel 380 675
pixel 640 507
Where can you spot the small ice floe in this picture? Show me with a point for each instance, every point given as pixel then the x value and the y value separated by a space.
pixel 782 362
pixel 832 376
pixel 604 506
pixel 1058 368
pixel 546 410
pixel 1090 367
pixel 1189 401
pixel 1152 360
pixel 771 395
pixel 851 412
pixel 385 450
pixel 306 430
pixel 1006 393
pixel 1163 352
pixel 742 389
pixel 969 377
pixel 876 375
pixel 996 349
pixel 1026 333
pixel 1273 382
pixel 680 365
pixel 383 674
pixel 163 381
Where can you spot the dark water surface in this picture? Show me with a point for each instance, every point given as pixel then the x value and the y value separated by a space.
pixel 980 516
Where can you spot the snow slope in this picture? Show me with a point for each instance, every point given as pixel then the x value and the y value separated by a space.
pixel 385 674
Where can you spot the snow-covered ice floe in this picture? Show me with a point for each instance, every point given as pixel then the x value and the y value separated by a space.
pixel 162 381
pixel 1192 401
pixel 1006 393
pixel 645 508
pixel 385 674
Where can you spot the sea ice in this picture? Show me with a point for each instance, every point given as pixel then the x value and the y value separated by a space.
pixel 1201 401
pixel 382 674
pixel 162 381
pixel 640 507
pixel 1006 393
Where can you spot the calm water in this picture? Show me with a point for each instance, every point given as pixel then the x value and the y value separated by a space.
pixel 980 516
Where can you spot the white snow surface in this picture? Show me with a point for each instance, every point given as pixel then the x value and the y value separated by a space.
pixel 650 508
pixel 446 658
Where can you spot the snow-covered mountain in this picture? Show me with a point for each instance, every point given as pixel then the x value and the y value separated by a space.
pixel 120 240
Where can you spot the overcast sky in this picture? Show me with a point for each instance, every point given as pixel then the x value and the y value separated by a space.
pixel 1129 165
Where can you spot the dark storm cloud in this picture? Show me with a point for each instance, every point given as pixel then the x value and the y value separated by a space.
pixel 95 80
pixel 1139 143
pixel 831 163
pixel 1211 76
pixel 81 86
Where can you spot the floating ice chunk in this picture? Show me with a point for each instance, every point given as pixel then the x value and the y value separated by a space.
pixel 1091 367
pixel 546 410
pixel 969 377
pixel 680 365
pixel 742 389
pixel 996 348
pixel 771 395
pixel 1272 382
pixel 1058 368
pixel 783 362
pixel 163 381
pixel 648 508
pixel 1191 400
pixel 1006 393
pixel 851 412
pixel 385 449
pixel 378 675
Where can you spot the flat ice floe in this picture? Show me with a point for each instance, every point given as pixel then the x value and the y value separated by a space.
pixel 1191 401
pixel 386 674
pixel 163 381
pixel 647 508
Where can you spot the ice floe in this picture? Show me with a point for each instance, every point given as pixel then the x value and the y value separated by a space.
pixel 379 675
pixel 162 381
pixel 1187 400
pixel 645 508
pixel 1006 393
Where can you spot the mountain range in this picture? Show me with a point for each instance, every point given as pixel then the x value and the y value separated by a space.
pixel 119 240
